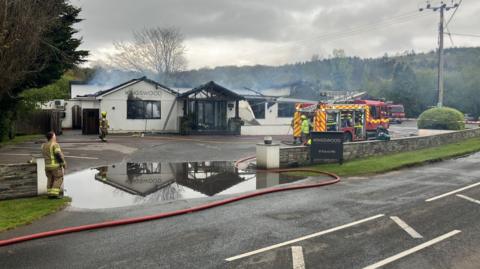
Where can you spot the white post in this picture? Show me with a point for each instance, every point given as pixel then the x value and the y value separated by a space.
pixel 268 156
pixel 41 177
pixel 265 180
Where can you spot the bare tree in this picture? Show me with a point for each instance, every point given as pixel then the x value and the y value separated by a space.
pixel 158 50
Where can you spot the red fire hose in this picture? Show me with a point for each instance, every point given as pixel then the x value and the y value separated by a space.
pixel 113 223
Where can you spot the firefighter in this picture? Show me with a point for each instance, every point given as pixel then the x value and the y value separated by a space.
pixel 305 127
pixel 346 120
pixel 54 165
pixel 358 124
pixel 102 172
pixel 103 126
pixel 331 122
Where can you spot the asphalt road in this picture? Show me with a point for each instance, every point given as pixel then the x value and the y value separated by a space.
pixel 347 225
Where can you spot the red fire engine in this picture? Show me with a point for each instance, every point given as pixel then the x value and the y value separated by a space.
pixel 358 121
pixel 395 112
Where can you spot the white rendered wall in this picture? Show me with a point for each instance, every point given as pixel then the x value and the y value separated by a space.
pixel 115 104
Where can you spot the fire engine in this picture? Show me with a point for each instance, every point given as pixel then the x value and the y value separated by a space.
pixel 358 121
pixel 395 112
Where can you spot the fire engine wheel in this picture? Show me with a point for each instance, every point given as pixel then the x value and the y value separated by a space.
pixel 347 137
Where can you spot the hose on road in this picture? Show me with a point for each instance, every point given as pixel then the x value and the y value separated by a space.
pixel 113 223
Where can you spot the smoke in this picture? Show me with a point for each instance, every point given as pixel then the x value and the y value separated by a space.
pixel 111 77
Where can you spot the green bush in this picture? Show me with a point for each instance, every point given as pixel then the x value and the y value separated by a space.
pixel 441 118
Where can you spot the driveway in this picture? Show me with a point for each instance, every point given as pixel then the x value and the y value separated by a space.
pixel 424 217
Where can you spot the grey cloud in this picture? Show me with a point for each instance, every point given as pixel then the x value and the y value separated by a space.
pixel 278 21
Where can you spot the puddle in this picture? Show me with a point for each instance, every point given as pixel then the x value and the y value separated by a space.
pixel 129 183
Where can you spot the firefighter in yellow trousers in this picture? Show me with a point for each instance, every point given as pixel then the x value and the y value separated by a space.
pixel 103 126
pixel 305 127
pixel 54 165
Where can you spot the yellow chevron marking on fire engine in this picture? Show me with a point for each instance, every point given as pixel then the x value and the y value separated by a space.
pixel 297 131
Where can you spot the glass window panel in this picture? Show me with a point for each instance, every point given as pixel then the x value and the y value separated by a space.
pixel 148 110
pixel 139 109
pixel 286 110
pixel 258 108
pixel 156 112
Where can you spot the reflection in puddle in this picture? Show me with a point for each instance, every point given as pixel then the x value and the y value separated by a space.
pixel 126 184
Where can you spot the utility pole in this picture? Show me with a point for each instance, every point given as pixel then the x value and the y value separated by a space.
pixel 442 7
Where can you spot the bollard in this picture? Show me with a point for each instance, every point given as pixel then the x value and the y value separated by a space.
pixel 41 176
pixel 268 154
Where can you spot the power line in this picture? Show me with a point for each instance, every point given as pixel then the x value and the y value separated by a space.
pixel 449 36
pixel 453 14
pixel 469 35
pixel 328 37
pixel 377 27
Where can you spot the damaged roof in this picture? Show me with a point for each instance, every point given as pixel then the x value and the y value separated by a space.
pixel 128 83
pixel 212 87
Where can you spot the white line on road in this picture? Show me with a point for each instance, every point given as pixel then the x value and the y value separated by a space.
pixel 406 227
pixel 468 199
pixel 303 238
pixel 412 250
pixel 66 156
pixel 452 192
pixel 81 157
pixel 297 258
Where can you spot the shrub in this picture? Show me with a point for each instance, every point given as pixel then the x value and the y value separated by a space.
pixel 441 118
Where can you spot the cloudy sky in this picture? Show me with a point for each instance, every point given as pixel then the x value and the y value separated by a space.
pixel 249 32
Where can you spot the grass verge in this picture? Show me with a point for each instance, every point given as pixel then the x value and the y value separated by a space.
pixel 17 212
pixel 20 139
pixel 381 164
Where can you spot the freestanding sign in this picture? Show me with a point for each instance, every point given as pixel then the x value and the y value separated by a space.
pixel 326 147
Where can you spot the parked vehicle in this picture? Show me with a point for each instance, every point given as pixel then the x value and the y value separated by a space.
pixel 468 117
pixel 395 112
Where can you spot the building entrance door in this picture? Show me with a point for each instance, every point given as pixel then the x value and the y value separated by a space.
pixel 90 121
pixel 209 115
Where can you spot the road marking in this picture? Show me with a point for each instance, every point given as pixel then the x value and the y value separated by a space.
pixel 66 156
pixel 452 192
pixel 297 258
pixel 406 227
pixel 412 250
pixel 81 157
pixel 468 199
pixel 303 238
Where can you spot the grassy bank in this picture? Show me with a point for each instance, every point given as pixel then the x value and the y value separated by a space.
pixel 17 212
pixel 21 139
pixel 380 164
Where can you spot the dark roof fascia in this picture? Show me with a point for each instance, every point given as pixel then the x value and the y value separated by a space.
pixel 213 85
pixel 136 80
pixel 99 93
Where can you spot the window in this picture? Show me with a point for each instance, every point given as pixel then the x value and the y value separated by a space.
pixel 374 113
pixel 286 110
pixel 258 108
pixel 396 109
pixel 139 109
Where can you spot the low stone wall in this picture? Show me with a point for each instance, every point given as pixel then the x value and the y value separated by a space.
pixel 18 180
pixel 299 156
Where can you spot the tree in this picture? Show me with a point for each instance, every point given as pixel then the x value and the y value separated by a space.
pixel 341 70
pixel 36 47
pixel 404 89
pixel 158 50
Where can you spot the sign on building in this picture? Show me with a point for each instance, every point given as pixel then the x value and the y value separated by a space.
pixel 326 147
